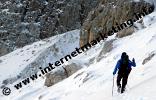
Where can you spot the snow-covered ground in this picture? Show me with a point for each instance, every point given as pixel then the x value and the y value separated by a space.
pixel 43 52
pixel 93 82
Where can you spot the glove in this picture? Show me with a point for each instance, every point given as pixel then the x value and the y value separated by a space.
pixel 133 60
pixel 113 73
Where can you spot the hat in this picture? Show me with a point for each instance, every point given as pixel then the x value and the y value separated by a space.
pixel 123 54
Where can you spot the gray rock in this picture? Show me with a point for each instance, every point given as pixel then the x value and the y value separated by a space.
pixel 53 78
pixel 25 21
pixel 107 14
pixel 1 61
pixel 147 59
pixel 59 75
pixel 107 47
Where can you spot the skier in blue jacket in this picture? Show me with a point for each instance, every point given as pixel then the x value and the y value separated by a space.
pixel 123 66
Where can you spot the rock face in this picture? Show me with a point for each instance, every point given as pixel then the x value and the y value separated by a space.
pixel 107 14
pixel 107 47
pixel 57 76
pixel 147 59
pixel 25 21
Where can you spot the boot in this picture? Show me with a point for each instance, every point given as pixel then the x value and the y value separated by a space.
pixel 122 90
pixel 119 89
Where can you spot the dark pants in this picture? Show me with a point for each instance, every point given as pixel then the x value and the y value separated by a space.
pixel 124 77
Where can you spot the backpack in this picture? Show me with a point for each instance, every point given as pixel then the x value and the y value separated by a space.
pixel 124 65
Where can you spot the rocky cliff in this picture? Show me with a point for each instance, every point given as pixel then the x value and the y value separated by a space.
pixel 25 21
pixel 110 13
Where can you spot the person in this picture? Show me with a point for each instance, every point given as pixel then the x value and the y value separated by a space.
pixel 123 66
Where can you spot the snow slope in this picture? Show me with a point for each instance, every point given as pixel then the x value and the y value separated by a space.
pixel 38 54
pixel 94 82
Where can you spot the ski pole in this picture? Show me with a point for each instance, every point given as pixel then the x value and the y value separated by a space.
pixel 113 86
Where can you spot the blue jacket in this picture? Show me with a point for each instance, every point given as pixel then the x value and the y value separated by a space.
pixel 130 64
